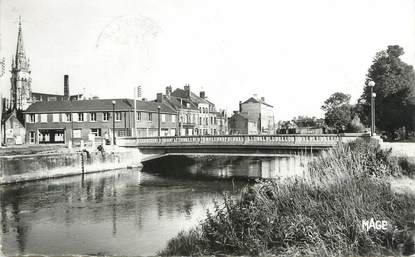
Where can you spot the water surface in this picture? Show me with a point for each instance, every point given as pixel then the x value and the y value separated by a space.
pixel 125 212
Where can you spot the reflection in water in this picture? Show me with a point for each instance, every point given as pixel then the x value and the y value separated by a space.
pixel 125 212
pixel 230 167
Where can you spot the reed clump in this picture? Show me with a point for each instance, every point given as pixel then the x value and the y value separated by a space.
pixel 320 214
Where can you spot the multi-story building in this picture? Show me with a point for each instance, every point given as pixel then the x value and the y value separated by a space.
pixel 73 122
pixel 187 112
pixel 256 109
pixel 197 115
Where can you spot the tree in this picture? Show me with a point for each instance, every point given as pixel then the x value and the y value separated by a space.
pixel 337 111
pixel 394 83
pixel 305 121
pixel 355 126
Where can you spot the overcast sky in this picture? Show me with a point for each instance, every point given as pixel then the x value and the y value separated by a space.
pixel 294 53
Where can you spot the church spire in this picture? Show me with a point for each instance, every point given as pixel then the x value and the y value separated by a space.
pixel 20 58
pixel 21 89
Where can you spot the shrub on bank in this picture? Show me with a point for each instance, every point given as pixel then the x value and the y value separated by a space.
pixel 318 215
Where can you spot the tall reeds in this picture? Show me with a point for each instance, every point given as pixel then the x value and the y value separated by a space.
pixel 320 214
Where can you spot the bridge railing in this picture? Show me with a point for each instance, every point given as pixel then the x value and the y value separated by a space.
pixel 277 139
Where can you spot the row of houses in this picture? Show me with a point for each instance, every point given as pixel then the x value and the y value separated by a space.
pixel 175 113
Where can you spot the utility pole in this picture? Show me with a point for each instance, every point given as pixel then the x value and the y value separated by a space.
pixel 158 119
pixel 113 122
pixel 135 112
pixel 372 108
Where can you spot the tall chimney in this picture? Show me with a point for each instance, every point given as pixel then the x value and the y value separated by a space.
pixel 168 92
pixel 66 87
pixel 240 106
pixel 187 89
pixel 202 94
pixel 159 98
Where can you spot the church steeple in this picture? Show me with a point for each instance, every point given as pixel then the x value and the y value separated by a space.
pixel 21 90
pixel 20 58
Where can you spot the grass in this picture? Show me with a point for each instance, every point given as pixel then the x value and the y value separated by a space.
pixel 320 214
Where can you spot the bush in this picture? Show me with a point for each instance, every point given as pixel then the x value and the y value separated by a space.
pixel 318 215
pixel 355 125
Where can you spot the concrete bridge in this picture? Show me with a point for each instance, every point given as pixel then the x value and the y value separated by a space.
pixel 238 144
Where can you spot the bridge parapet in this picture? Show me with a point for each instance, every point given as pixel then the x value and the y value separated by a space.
pixel 322 140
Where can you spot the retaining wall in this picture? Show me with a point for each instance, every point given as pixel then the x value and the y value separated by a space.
pixel 21 168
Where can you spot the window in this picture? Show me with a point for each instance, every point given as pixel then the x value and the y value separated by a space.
pixel 150 116
pixel 138 115
pixel 93 116
pixel 106 116
pixel 67 117
pixel 32 137
pixel 96 132
pixel 31 118
pixel 43 118
pixel 121 133
pixel 211 120
pixel 118 116
pixel 163 118
pixel 200 120
pixel 80 116
pixel 173 118
pixel 55 117
pixel 77 133
pixel 52 98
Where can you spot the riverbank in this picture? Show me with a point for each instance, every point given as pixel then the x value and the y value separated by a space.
pixel 28 164
pixel 320 214
pixel 33 149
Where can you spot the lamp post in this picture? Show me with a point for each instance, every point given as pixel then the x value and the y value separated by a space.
pixel 113 122
pixel 158 119
pixel 371 84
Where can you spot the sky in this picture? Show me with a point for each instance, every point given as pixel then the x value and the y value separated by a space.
pixel 294 53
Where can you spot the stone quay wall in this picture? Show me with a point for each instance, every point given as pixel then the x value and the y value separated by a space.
pixel 20 168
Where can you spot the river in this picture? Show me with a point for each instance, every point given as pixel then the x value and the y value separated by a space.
pixel 126 212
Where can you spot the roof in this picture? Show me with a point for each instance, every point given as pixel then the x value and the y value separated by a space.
pixel 175 102
pixel 181 93
pixel 8 115
pixel 96 105
pixel 254 100
pixel 55 95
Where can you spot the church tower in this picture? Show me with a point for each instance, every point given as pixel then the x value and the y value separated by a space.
pixel 21 90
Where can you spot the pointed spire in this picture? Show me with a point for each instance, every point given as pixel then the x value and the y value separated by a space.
pixel 20 58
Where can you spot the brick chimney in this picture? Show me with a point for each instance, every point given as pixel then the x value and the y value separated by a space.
pixel 263 99
pixel 168 92
pixel 66 87
pixel 159 98
pixel 202 94
pixel 187 89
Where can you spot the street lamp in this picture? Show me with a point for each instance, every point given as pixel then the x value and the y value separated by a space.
pixel 371 84
pixel 113 122
pixel 158 119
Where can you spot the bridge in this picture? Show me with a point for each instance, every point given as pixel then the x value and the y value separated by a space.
pixel 238 144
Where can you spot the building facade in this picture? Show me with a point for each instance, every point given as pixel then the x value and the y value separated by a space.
pixel 12 128
pixel 96 121
pixel 256 109
pixel 198 116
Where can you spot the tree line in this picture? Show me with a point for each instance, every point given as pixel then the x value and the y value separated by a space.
pixel 394 102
